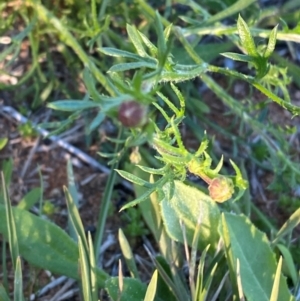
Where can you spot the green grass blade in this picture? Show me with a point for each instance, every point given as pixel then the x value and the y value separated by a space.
pixel 18 282
pixel 106 199
pixel 72 105
pixel 75 218
pixel 84 272
pixel 93 267
pixel 289 262
pixel 292 222
pixel 236 7
pixel 127 253
pixel 151 289
pixel 276 284
pixel 74 196
pixel 200 274
pixel 207 285
pixel 11 227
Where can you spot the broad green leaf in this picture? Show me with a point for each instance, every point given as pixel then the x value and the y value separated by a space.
pixel 238 57
pixel 3 142
pixel 128 66
pixel 45 245
pixel 257 261
pixel 246 37
pixel 30 199
pixel 18 281
pixel 151 289
pixel 72 105
pixel 191 206
pixel 271 43
pixel 133 289
pixel 3 294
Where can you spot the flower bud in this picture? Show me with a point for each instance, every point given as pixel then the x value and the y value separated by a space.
pixel 221 189
pixel 132 114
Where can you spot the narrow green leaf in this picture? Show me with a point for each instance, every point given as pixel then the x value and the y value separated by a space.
pixel 167 31
pixel 134 179
pixel 208 283
pixel 11 226
pixel 236 7
pixel 257 261
pixel 84 272
pixel 275 289
pixel 289 262
pixel 136 40
pixel 238 57
pixel 96 122
pixel 72 105
pixel 292 222
pixel 129 66
pixel 151 289
pixel 271 43
pixel 127 253
pixel 161 41
pixel 180 76
pixel 239 281
pixel 246 37
pixel 200 274
pixel 89 82
pixel 74 199
pixel 18 281
pixel 121 53
pixel 152 48
pixel 30 199
pixel 190 205
pixel 140 199
pixel 75 218
pixel 154 171
pixel 93 268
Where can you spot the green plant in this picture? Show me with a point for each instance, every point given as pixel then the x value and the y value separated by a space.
pixel 227 257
